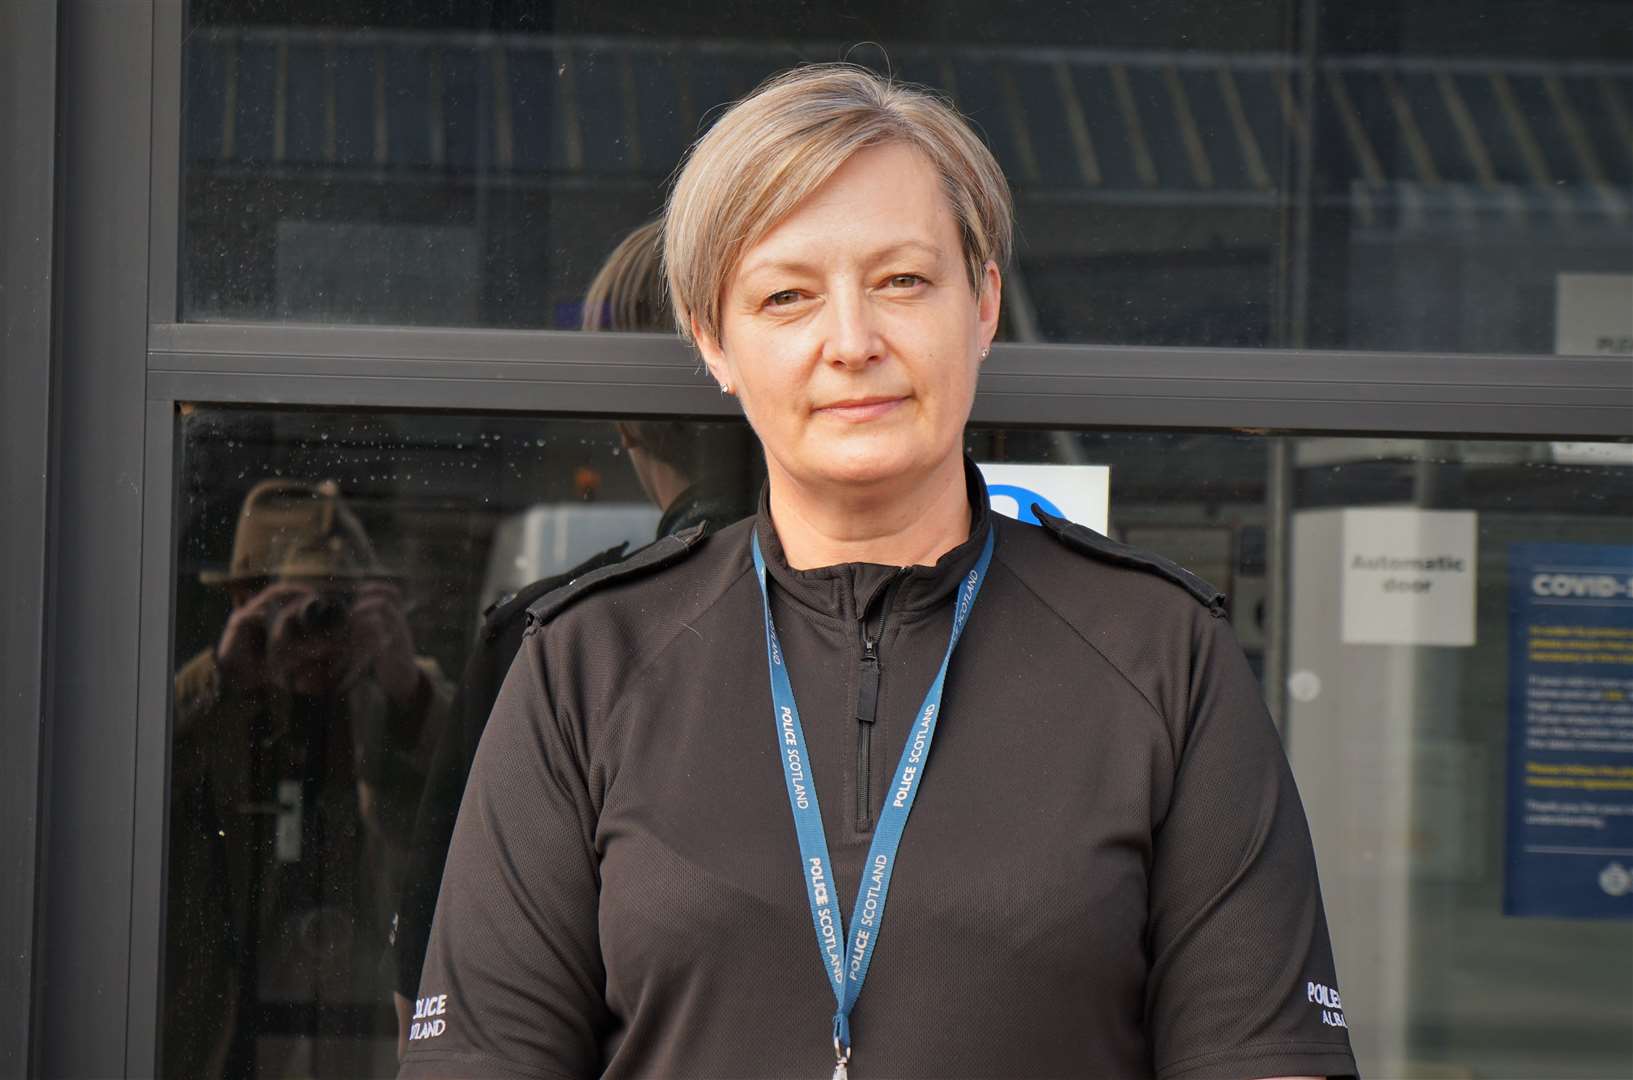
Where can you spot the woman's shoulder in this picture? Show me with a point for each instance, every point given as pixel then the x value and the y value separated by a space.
pixel 1160 627
pixel 1063 560
pixel 665 585
pixel 1130 605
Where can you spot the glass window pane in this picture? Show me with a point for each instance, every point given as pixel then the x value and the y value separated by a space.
pixel 1473 899
pixel 468 165
pixel 332 573
pixel 1465 786
pixel 1459 663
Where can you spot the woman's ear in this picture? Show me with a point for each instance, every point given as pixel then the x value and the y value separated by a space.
pixel 988 301
pixel 714 358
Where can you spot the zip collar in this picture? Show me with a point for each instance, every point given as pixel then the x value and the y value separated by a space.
pixel 844 590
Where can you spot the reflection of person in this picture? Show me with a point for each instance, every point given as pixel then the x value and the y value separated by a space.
pixel 696 474
pixel 300 740
pixel 692 472
pixel 1106 871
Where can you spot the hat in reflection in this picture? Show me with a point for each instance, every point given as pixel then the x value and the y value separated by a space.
pixel 294 529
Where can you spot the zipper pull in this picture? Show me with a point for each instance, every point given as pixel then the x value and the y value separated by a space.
pixel 867 687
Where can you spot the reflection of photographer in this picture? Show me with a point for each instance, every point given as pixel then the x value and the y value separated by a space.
pixel 304 639
pixel 301 742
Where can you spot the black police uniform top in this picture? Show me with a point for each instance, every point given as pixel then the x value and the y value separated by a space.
pixel 703 505
pixel 1107 872
pixel 496 645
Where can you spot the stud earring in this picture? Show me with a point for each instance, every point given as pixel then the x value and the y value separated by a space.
pixel 725 388
pixel 985 351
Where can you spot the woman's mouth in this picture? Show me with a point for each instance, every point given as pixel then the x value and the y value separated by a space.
pixel 862 409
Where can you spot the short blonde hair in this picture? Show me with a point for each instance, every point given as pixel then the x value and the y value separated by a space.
pixel 775 147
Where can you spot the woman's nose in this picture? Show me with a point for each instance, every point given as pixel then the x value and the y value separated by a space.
pixel 850 338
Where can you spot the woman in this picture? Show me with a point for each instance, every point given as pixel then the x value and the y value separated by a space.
pixel 1107 871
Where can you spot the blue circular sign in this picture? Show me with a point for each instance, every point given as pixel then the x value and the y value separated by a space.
pixel 1024 498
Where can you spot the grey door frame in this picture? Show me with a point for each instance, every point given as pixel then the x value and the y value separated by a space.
pixel 28 134
pixel 126 366
pixel 84 973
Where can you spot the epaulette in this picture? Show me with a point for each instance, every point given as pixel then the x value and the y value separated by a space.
pixel 666 552
pixel 512 604
pixel 1082 539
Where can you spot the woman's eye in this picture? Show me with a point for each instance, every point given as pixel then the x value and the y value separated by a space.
pixel 782 299
pixel 905 281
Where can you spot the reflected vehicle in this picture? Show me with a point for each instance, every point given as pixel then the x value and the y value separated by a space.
pixel 670 461
pixel 301 741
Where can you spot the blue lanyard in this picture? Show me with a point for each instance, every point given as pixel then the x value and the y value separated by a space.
pixel 846 959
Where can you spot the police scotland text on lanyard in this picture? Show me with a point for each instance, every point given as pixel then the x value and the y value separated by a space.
pixel 847 970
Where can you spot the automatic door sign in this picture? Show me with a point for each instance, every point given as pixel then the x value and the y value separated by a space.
pixel 1570 731
pixel 1408 577
pixel 1079 493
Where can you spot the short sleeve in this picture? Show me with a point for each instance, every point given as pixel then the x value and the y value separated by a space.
pixel 512 981
pixel 1242 979
pixel 490 659
pixel 433 830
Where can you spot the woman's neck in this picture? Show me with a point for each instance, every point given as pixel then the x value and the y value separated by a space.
pixel 909 524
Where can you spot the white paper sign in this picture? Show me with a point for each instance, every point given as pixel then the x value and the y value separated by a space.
pixel 1593 314
pixel 1409 577
pixel 1080 493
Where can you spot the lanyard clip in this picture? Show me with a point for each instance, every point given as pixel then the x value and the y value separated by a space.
pixel 842 1056
pixel 842 1047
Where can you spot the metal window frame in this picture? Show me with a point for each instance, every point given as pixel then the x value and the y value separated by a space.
pixel 1021 384
pixel 126 364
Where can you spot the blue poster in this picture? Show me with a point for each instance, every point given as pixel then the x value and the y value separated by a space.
pixel 1570 731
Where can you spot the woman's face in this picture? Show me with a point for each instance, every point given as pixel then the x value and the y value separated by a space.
pixel 850 331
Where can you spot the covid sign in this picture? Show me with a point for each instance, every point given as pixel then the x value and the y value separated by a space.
pixel 1570 775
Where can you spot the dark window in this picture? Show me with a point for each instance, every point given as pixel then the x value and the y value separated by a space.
pixel 1176 184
